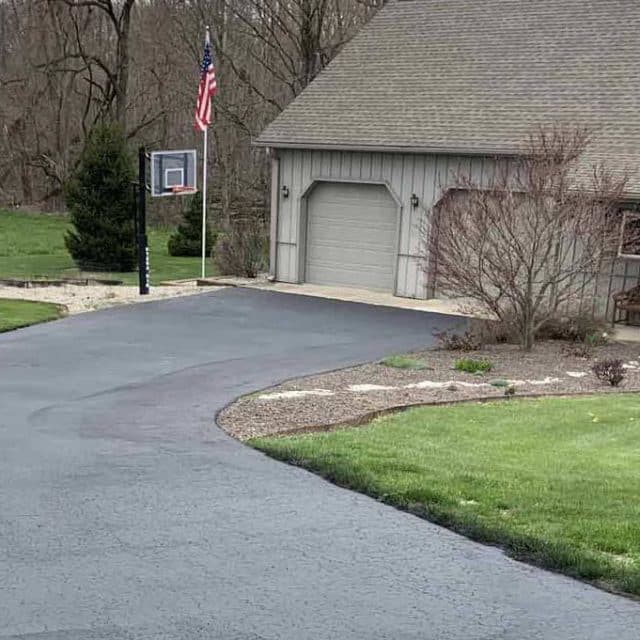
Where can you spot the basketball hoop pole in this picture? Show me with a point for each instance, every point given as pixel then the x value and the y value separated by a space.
pixel 143 249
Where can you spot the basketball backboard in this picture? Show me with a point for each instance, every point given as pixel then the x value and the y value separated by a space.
pixel 173 172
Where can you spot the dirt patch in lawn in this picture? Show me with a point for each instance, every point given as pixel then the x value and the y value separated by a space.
pixel 348 395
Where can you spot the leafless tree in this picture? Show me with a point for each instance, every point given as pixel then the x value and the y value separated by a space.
pixel 65 64
pixel 527 243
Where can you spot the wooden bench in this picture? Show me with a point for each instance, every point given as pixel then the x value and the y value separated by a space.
pixel 625 303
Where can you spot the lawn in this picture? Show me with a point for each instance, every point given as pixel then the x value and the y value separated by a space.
pixel 15 314
pixel 554 481
pixel 32 246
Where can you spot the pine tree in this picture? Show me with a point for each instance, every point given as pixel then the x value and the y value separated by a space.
pixel 187 240
pixel 100 199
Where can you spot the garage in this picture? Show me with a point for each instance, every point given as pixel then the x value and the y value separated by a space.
pixel 351 236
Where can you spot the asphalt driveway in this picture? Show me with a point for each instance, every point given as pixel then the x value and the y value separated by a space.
pixel 126 514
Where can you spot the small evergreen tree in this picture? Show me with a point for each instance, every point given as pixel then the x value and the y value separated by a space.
pixel 100 199
pixel 187 240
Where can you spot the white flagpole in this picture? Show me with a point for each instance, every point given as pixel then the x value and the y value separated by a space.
pixel 204 205
pixel 204 189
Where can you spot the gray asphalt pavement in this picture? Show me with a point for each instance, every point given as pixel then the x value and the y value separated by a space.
pixel 125 514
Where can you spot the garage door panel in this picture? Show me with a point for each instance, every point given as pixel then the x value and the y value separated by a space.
pixel 351 257
pixel 366 279
pixel 351 236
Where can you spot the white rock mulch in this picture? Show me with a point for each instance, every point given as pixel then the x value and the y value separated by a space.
pixel 349 395
pixel 83 298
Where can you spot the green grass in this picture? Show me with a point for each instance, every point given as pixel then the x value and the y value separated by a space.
pixel 15 314
pixel 404 362
pixel 32 246
pixel 555 482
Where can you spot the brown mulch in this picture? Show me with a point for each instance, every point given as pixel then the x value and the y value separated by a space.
pixel 253 416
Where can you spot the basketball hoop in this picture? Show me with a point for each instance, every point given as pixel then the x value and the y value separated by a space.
pixel 180 190
pixel 173 173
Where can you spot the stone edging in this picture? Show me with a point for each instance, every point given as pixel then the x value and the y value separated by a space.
pixel 366 418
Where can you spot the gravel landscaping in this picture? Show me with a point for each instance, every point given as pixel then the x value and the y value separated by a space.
pixel 351 395
pixel 82 298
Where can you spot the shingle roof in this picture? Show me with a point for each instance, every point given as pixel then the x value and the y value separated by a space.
pixel 476 76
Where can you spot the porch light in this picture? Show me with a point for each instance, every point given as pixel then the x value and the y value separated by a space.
pixel 285 191
pixel 415 201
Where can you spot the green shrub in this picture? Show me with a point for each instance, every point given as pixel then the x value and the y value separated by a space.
pixel 471 365
pixel 404 362
pixel 242 249
pixel 100 200
pixel 187 240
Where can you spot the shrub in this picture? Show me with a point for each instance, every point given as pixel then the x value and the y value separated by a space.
pixel 451 341
pixel 479 333
pixel 496 331
pixel 471 365
pixel 187 240
pixel 508 245
pixel 100 199
pixel 579 328
pixel 404 362
pixel 242 249
pixel 610 370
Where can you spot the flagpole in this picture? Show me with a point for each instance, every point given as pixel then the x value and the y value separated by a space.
pixel 204 188
pixel 204 204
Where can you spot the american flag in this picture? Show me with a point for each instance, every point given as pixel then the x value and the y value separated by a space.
pixel 206 90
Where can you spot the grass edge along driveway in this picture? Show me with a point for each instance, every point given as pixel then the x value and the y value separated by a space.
pixel 552 481
pixel 16 314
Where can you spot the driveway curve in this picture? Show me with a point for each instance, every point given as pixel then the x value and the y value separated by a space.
pixel 125 514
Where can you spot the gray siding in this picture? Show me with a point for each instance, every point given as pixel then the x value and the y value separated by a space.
pixel 428 176
pixel 425 175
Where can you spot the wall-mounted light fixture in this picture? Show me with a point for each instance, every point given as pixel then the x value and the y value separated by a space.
pixel 285 191
pixel 415 201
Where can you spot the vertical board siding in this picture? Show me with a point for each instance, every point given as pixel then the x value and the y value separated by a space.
pixel 428 176
pixel 425 175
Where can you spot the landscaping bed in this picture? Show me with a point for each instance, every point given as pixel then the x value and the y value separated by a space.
pixel 351 395
pixel 82 298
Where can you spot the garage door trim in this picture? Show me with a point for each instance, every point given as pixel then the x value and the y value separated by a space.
pixel 304 219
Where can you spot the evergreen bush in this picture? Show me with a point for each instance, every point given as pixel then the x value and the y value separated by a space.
pixel 100 199
pixel 187 240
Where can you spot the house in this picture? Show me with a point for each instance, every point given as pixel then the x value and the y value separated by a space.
pixel 428 88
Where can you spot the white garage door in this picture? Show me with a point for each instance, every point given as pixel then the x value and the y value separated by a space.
pixel 351 236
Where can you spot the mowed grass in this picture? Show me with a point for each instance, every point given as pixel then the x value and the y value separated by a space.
pixel 15 314
pixel 32 246
pixel 555 482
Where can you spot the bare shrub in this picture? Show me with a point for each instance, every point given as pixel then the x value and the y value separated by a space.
pixel 242 249
pixel 527 243
pixel 452 341
pixel 610 370
pixel 579 328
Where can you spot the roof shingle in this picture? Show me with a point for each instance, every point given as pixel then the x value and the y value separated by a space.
pixel 477 76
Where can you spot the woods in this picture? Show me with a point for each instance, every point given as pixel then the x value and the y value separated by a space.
pixel 66 65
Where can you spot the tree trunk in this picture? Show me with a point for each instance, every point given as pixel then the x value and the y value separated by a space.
pixel 122 54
